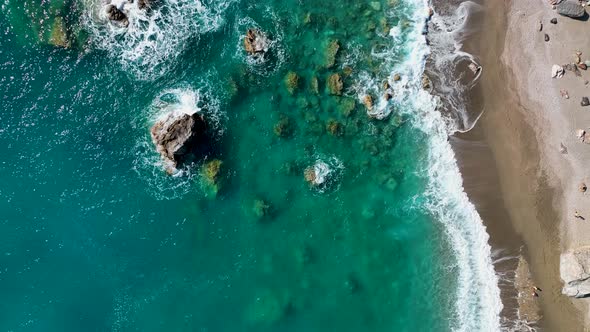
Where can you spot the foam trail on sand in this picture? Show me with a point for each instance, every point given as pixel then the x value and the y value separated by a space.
pixel 478 304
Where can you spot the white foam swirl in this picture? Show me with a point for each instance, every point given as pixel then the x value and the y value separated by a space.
pixel 154 38
pixel 478 304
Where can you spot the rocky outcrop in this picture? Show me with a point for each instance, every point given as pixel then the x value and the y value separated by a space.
pixel 575 272
pixel 570 8
pixel 176 135
pixel 256 43
pixel 115 14
pixel 317 174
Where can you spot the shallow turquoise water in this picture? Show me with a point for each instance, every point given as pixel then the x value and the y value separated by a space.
pixel 95 236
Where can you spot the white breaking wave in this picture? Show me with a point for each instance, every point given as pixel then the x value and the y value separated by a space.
pixel 478 303
pixel 154 38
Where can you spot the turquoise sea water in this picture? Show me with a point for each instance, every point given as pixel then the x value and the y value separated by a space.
pixel 95 236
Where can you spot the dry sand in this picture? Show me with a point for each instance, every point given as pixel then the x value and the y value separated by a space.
pixel 525 121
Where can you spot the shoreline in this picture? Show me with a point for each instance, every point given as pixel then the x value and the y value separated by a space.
pixel 513 169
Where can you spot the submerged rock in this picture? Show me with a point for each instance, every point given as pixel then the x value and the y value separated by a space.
pixel 331 52
pixel 573 268
pixel 256 43
pixel 570 8
pixel 314 85
pixel 175 136
pixel 58 35
pixel 335 84
pixel 283 128
pixel 334 127
pixel 346 106
pixel 291 82
pixel 211 172
pixel 260 208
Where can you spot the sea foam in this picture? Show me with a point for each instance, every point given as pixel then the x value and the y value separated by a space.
pixel 154 38
pixel 478 304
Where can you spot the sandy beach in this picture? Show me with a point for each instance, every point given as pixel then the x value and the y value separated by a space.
pixel 522 163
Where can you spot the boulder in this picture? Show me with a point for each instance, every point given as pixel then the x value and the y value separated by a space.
pixel 176 135
pixel 117 15
pixel 255 42
pixel 553 21
pixel 570 8
pixel 557 71
pixel 317 174
pixel 573 266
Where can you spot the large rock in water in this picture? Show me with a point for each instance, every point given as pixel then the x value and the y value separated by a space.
pixel 176 135
pixel 255 42
pixel 571 8
pixel 117 15
pixel 574 268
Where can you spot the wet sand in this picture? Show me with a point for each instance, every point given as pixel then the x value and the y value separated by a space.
pixel 514 172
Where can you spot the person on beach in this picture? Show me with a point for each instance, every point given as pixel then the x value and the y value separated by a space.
pixel 578 216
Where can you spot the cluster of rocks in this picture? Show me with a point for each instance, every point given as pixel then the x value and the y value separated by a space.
pixel 118 10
